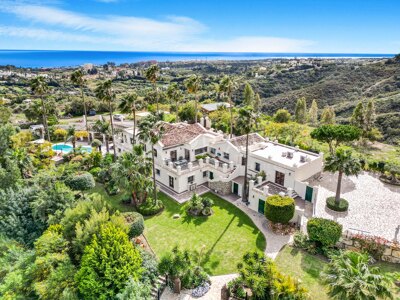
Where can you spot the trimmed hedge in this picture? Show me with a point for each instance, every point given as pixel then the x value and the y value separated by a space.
pixel 136 223
pixel 81 182
pixel 324 231
pixel 279 209
pixel 343 204
pixel 149 208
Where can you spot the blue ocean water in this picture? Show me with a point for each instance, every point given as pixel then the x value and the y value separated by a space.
pixel 55 58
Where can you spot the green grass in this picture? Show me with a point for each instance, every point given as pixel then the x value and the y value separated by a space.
pixel 307 268
pixel 226 235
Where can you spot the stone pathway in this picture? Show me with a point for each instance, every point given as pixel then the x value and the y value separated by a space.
pixel 217 282
pixel 374 207
pixel 274 242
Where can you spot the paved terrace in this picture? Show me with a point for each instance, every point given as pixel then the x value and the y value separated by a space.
pixel 185 196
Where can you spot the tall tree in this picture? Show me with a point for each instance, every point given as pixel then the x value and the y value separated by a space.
pixel 152 73
pixel 175 95
pixel 193 85
pixel 328 116
pixel 313 113
pixel 78 80
pixel 151 131
pixel 132 172
pixel 300 111
pixel 248 95
pixel 71 136
pixel 246 122
pixel 357 118
pixel 131 103
pixel 257 103
pixel 344 163
pixel 370 116
pixel 105 93
pixel 40 88
pixel 227 87
pixel 103 127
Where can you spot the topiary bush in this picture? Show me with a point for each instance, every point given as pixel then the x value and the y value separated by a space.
pixel 279 209
pixel 95 171
pixel 149 208
pixel 343 204
pixel 81 182
pixel 324 232
pixel 136 223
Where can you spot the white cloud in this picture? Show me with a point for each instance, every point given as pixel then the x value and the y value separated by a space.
pixel 174 33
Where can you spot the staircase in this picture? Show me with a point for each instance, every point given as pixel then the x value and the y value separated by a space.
pixel 158 287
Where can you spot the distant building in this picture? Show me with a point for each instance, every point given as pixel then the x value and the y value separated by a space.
pixel 210 107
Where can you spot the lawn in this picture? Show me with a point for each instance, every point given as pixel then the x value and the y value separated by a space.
pixel 226 235
pixel 307 268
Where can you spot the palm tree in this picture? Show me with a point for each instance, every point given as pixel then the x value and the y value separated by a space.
pixel 174 94
pixel 193 85
pixel 24 161
pixel 349 276
pixel 151 130
pixel 246 122
pixel 131 103
pixel 226 87
pixel 103 127
pixel 132 172
pixel 344 163
pixel 152 74
pixel 105 93
pixel 78 80
pixel 71 136
pixel 39 87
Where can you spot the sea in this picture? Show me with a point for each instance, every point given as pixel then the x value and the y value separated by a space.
pixel 58 58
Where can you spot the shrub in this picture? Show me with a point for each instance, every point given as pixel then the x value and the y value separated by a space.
pixel 200 205
pixel 149 208
pixel 282 116
pixel 81 182
pixel 331 204
pixel 279 209
pixel 300 240
pixel 324 232
pixel 136 223
pixel 95 171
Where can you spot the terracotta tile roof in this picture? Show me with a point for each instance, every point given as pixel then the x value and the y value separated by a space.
pixel 240 141
pixel 180 133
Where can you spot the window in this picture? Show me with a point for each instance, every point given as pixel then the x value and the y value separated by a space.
pixel 200 151
pixel 191 179
pixel 226 155
pixel 158 172
pixel 132 141
pixel 119 150
pixel 243 161
pixel 257 167
pixel 155 152
pixel 213 150
pixel 173 155
pixel 205 174
pixel 171 182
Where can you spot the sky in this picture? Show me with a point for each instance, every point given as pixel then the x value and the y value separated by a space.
pixel 308 26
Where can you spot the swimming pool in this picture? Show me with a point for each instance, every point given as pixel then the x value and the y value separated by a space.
pixel 66 148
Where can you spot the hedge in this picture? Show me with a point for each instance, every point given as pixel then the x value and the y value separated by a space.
pixel 331 204
pixel 279 209
pixel 149 208
pixel 323 231
pixel 81 182
pixel 136 223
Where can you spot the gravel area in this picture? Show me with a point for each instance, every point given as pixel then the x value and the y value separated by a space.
pixel 374 207
pixel 217 282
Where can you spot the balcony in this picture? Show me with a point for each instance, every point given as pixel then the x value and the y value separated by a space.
pixel 183 165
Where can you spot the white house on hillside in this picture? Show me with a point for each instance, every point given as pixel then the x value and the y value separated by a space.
pixel 193 157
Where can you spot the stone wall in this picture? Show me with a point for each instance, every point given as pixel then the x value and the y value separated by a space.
pixel 223 188
pixel 391 251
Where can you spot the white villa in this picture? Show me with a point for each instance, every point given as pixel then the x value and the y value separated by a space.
pixel 194 157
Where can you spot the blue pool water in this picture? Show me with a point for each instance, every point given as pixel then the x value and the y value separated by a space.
pixel 65 148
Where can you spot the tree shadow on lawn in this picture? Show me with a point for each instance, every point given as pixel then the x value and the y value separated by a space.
pixel 310 264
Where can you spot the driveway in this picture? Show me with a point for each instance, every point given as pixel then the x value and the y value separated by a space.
pixel 374 207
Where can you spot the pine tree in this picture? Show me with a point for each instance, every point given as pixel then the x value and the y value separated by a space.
pixel 328 116
pixel 248 95
pixel 313 113
pixel 357 119
pixel 257 103
pixel 370 116
pixel 300 114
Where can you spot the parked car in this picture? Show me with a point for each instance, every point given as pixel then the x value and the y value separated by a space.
pixel 92 112
pixel 118 117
